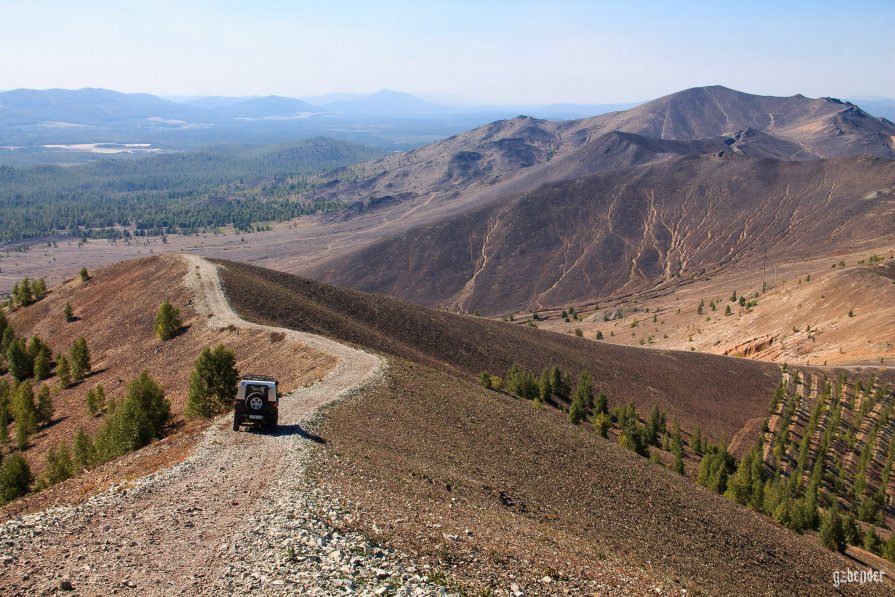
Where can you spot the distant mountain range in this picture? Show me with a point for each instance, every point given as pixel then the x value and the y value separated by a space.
pixel 93 107
pixel 526 213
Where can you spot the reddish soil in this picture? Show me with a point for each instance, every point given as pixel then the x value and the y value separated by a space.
pixel 116 312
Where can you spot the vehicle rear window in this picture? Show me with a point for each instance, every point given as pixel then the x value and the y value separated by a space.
pixel 256 389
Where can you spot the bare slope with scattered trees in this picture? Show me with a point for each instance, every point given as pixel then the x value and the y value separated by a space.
pixel 491 492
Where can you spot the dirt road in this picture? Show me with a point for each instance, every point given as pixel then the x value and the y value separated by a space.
pixel 209 523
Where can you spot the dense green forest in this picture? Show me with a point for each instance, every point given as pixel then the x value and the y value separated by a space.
pixel 170 193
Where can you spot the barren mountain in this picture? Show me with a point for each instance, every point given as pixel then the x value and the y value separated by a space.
pixel 528 213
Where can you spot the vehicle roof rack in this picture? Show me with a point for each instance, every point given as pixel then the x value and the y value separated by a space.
pixel 253 377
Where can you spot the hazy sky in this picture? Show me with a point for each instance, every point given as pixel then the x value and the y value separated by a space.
pixel 519 51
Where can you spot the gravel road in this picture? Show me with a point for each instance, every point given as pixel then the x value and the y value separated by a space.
pixel 238 516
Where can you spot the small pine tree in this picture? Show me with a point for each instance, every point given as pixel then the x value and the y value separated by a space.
pixel 68 313
pixel 560 383
pixel 678 464
pixel 63 371
pixel 39 289
pixel 24 412
pixel 871 542
pixel 727 311
pixel 832 531
pixel 83 452
pixel 213 382
pixel 80 359
pixel 655 426
pixel 44 409
pixel 58 467
pixel 84 275
pixel 733 297
pixel 9 337
pixel 137 420
pixel 485 380
pixel 697 441
pixel 91 402
pixel 42 365
pixel 15 478
pixel 167 321
pixel 602 422
pixel 18 361
pixel 546 385
pixel 599 335
pixel 715 468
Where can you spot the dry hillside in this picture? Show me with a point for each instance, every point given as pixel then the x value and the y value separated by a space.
pixel 490 491
pixel 810 313
pixel 115 313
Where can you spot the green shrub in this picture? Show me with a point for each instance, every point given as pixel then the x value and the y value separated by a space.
pixel 84 275
pixel 213 383
pixel 167 321
pixel 522 383
pixel 15 478
pixel 137 420
pixel 485 380
pixel 96 399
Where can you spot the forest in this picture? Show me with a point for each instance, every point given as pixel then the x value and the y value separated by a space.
pixel 230 185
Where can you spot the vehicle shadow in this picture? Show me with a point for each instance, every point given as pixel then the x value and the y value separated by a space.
pixel 297 430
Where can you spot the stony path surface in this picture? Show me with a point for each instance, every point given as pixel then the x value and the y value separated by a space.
pixel 238 516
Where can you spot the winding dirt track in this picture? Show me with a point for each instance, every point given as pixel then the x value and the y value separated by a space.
pixel 176 531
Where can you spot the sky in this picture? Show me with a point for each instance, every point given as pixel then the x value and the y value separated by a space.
pixel 473 51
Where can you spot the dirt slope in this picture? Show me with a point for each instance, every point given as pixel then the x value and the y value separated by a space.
pixel 497 493
pixel 720 394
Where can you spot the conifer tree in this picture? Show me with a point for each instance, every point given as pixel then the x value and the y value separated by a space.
pixel 18 361
pixel 213 382
pixel 83 451
pixel 24 412
pixel 15 478
pixel 63 370
pixel 167 321
pixel 44 408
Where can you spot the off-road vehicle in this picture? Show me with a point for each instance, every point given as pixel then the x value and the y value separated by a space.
pixel 257 403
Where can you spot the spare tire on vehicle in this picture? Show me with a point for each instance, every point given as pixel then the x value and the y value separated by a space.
pixel 255 402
